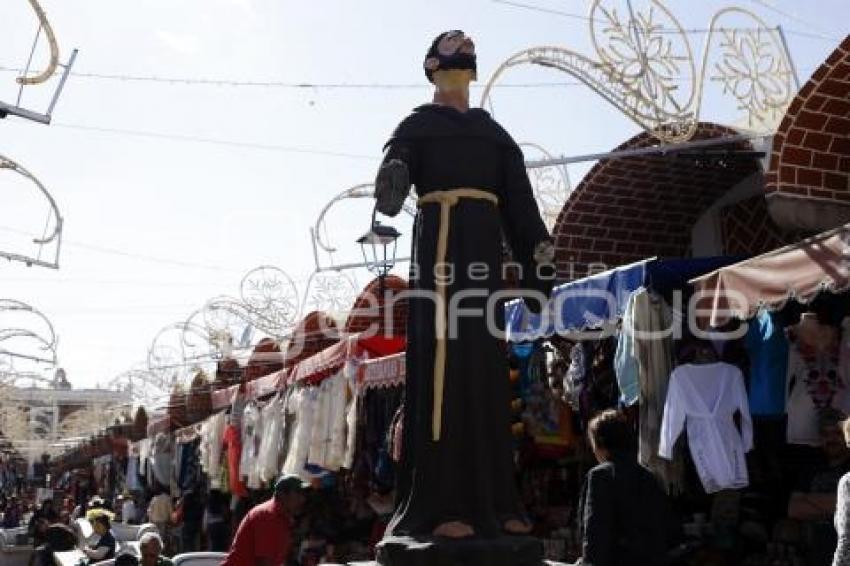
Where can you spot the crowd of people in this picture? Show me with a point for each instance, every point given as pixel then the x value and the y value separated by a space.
pixel 51 528
pixel 617 494
pixel 194 522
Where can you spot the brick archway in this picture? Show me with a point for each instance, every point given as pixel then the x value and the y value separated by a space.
pixel 629 209
pixel 808 181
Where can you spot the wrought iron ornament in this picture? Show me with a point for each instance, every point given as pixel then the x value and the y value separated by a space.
pixel 551 184
pixel 645 66
pixel 51 242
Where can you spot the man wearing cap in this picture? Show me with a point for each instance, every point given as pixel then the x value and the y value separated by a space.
pixel 264 537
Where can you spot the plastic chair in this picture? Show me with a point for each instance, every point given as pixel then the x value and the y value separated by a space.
pixel 199 559
pixel 12 554
pixel 125 532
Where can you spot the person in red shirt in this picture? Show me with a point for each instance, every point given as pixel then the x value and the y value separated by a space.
pixel 264 537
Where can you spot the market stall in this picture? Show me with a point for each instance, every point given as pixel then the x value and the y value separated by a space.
pixel 601 299
pixel 793 273
pixel 792 306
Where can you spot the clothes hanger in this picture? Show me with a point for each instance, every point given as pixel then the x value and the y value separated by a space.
pixel 704 354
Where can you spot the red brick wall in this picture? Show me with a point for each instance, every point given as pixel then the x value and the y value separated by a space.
pixel 364 312
pixel 312 335
pixel 625 210
pixel 748 229
pixel 811 149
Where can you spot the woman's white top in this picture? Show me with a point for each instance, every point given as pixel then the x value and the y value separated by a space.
pixel 705 398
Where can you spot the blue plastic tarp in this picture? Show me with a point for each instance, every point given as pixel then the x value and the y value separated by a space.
pixel 599 299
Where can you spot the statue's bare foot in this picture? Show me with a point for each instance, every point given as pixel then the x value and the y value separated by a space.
pixel 516 527
pixel 454 529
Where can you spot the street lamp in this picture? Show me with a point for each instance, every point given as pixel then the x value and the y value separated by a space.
pixel 375 245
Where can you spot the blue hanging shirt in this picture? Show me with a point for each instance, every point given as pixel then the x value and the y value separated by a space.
pixel 768 350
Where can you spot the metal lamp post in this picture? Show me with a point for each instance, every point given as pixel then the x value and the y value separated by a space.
pixel 379 249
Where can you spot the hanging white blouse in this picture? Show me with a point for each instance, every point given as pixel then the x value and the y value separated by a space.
pixel 351 371
pixel 337 425
pixel 212 440
pixel 705 398
pixel 320 435
pixel 271 440
pixel 302 404
pixel 351 431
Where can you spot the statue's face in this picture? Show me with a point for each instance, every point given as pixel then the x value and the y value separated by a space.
pixel 453 52
pixel 454 43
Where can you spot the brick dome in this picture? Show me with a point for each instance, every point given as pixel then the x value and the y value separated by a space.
pixel 314 333
pixel 370 308
pixel 808 181
pixel 629 209
pixel 265 359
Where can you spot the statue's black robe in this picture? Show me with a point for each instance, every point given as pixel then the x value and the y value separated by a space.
pixel 467 475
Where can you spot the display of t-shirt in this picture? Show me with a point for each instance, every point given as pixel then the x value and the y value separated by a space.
pixel 768 351
pixel 704 398
pixel 814 384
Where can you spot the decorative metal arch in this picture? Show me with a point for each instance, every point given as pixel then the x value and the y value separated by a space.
pixel 270 297
pixel 644 58
pixel 318 232
pixel 172 357
pixel 144 386
pixel 270 303
pixel 222 320
pixel 53 62
pixel 329 292
pixel 40 77
pixel 43 343
pixel 52 234
pixel 551 185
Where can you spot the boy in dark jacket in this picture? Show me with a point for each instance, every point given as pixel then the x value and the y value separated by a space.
pixel 624 514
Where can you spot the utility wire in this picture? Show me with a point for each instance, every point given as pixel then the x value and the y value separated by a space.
pixel 660 29
pixel 790 16
pixel 202 81
pixel 236 83
pixel 121 253
pixel 215 141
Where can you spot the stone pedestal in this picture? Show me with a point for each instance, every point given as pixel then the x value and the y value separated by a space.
pixel 501 551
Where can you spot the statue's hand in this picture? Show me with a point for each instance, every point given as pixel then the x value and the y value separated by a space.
pixel 544 253
pixel 392 187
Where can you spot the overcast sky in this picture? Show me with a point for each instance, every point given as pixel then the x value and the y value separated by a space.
pixel 154 226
